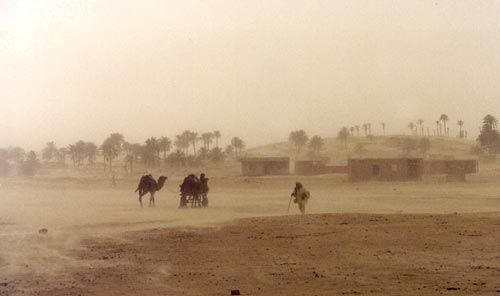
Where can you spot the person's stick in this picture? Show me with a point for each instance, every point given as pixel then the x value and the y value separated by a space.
pixel 290 202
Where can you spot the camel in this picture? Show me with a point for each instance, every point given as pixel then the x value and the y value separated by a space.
pixel 149 184
pixel 194 190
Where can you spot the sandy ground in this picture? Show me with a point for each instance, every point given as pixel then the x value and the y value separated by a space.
pixel 101 243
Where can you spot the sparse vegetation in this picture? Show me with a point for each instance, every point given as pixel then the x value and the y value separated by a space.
pixel 111 148
pixel 412 128
pixel 154 153
pixel 299 139
pixel 343 135
pixel 444 119
pixel 30 164
pixel 207 139
pixel 421 124
pixel 165 146
pixel 238 145
pixel 315 144
pixel 49 151
pixel 460 124
pixel 489 137
pixel 217 136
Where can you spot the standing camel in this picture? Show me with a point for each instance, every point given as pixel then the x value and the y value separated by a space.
pixel 149 184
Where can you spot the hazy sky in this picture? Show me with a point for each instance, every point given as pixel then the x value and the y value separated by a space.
pixel 73 70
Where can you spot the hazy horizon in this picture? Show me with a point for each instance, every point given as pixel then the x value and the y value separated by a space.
pixel 76 70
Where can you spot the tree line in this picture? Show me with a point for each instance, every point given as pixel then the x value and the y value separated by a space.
pixel 154 152
pixel 488 141
pixel 441 127
pixel 300 139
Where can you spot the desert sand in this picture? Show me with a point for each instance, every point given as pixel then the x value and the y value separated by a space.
pixel 408 238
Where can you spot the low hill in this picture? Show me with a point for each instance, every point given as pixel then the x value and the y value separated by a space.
pixel 378 146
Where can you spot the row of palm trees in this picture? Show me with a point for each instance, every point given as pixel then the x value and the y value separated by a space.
pixel 191 138
pixel 442 128
pixel 365 127
pixel 150 152
pixel 417 128
pixel 300 139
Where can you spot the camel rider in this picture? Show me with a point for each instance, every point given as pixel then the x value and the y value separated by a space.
pixel 301 196
pixel 204 182
pixel 202 177
pixel 204 190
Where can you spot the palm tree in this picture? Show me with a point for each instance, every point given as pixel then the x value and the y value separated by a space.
pixel 357 130
pixel 238 144
pixel 117 140
pixel 111 148
pixel 61 155
pixel 461 125
pixel 411 126
pixel 109 152
pixel 438 128
pixel 91 152
pixel 489 136
pixel 165 146
pixel 217 136
pixel 444 119
pixel 421 124
pixel 192 138
pixel 351 129
pixel 490 121
pixel 299 139
pixel 383 128
pixel 151 151
pixel 343 134
pixel 316 143
pixel 365 128
pixel 49 151
pixel 207 139
pixel 78 152
pixel 133 152
pixel 182 142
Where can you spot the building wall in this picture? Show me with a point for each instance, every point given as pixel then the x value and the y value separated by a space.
pixel 277 168
pixel 445 166
pixel 337 169
pixel 253 168
pixel 262 168
pixel 310 167
pixel 385 169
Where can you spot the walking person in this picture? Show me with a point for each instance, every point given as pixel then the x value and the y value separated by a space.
pixel 301 196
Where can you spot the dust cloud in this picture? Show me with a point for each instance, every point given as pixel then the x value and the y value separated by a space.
pixel 93 91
